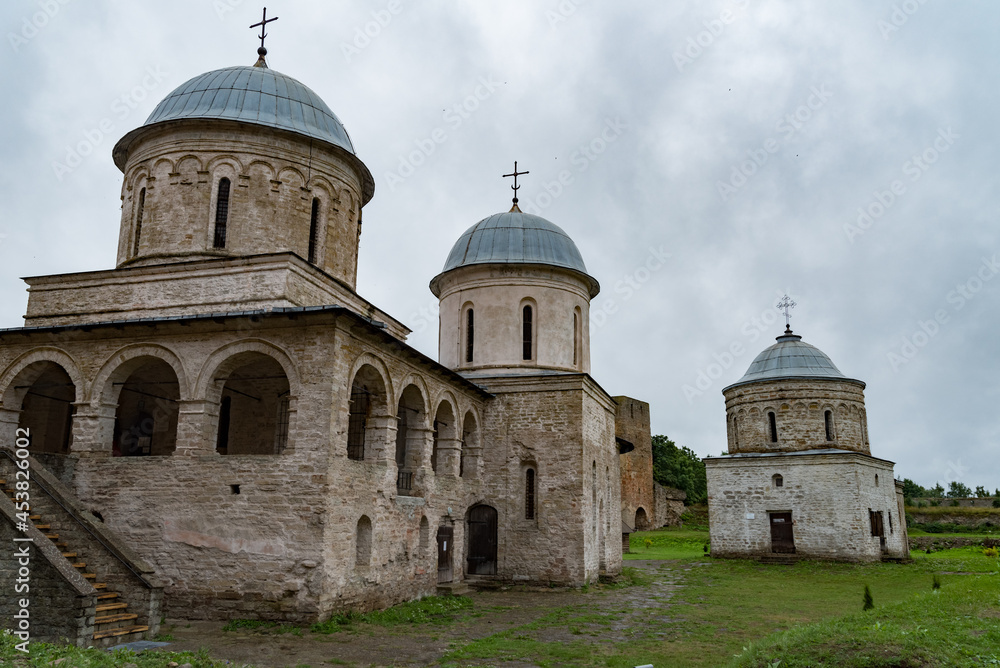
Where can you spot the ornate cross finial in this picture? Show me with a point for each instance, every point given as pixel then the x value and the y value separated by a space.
pixel 515 187
pixel 263 27
pixel 787 303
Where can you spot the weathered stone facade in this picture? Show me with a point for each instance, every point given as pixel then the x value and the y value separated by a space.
pixel 799 477
pixel 638 501
pixel 262 436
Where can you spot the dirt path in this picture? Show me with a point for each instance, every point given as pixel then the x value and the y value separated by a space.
pixel 600 615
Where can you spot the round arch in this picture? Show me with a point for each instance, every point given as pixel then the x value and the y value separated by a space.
pixel 18 371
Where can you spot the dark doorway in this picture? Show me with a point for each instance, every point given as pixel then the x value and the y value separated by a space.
pixel 47 408
pixel 482 541
pixel 782 540
pixel 445 548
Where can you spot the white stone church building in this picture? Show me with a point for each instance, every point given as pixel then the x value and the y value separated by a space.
pixel 222 426
pixel 799 479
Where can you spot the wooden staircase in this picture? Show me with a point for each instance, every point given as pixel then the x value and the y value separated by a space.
pixel 112 622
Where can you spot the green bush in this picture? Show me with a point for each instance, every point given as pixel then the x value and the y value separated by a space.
pixel 996 502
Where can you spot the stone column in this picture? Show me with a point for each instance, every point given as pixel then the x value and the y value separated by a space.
pixel 419 444
pixel 9 420
pixel 380 439
pixel 448 456
pixel 195 420
pixel 93 430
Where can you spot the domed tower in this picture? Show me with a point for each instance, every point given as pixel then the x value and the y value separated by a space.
pixel 794 398
pixel 514 298
pixel 242 161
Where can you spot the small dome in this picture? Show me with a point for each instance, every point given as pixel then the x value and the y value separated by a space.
pixel 254 95
pixel 790 357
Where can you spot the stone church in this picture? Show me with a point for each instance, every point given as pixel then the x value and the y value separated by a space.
pixel 222 427
pixel 799 479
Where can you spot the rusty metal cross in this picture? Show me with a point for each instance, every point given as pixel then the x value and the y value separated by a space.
pixel 263 26
pixel 515 174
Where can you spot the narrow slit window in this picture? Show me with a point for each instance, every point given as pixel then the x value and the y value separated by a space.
pixel 773 424
pixel 526 318
pixel 529 494
pixel 314 231
pixel 576 338
pixel 281 433
pixel 221 214
pixel 138 220
pixel 828 422
pixel 736 433
pixel 470 335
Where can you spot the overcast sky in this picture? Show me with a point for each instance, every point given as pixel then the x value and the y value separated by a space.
pixel 706 157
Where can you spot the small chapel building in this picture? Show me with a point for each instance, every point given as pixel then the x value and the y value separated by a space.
pixel 799 479
pixel 222 427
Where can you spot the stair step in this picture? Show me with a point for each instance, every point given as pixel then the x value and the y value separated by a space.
pixel 80 564
pixel 43 527
pixel 120 632
pixel 62 545
pixel 89 576
pixel 34 517
pixel 53 536
pixel 69 555
pixel 100 585
pixel 111 619
pixel 111 606
pixel 108 596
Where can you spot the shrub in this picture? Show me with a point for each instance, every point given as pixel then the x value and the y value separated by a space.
pixel 996 502
pixel 869 604
pixel 955 503
pixel 935 503
pixel 936 582
pixel 991 552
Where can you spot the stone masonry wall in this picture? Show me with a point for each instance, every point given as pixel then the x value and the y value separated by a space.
pixel 632 425
pixel 829 496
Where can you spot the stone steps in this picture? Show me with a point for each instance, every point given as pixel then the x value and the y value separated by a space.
pixel 453 589
pixel 779 559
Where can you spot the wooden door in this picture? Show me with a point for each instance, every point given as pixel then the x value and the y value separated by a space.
pixel 444 540
pixel 782 539
pixel 482 558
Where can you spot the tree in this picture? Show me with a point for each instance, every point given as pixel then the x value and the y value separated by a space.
pixel 681 468
pixel 957 490
pixel 936 492
pixel 913 490
pixel 981 492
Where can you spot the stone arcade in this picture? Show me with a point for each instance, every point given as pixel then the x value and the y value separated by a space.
pixel 799 479
pixel 222 427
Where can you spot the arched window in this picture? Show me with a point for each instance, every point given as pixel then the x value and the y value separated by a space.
pixel 527 347
pixel 828 423
pixel 360 405
pixel 736 432
pixel 470 335
pixel 529 494
pixel 138 220
pixel 576 338
pixel 778 481
pixel 314 231
pixel 221 214
pixel 425 536
pixel 363 542
pixel 772 422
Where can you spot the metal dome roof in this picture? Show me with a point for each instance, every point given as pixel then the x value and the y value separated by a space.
pixel 254 95
pixel 515 237
pixel 790 357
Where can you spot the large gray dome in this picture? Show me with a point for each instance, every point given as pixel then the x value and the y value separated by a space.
pixel 254 95
pixel 515 237
pixel 790 357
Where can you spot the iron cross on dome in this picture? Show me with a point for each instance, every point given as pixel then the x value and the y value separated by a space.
pixel 787 303
pixel 263 26
pixel 515 174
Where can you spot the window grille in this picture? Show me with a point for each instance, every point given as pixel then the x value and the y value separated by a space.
pixel 138 220
pixel 529 494
pixel 282 431
pixel 527 332
pixel 314 231
pixel 774 427
pixel 221 214
pixel 470 335
pixel 360 406
pixel 828 422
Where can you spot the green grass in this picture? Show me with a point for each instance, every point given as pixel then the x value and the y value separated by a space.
pixel 431 610
pixel 43 654
pixel 669 543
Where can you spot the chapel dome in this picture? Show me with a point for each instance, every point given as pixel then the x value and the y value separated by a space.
pixel 515 237
pixel 255 95
pixel 790 357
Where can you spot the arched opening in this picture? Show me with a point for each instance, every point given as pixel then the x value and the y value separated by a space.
pixel 641 521
pixel 576 336
pixel 45 394
pixel 139 210
pixel 470 334
pixel 368 398
pixel 468 462
pixel 254 408
pixel 313 231
pixel 772 426
pixel 527 333
pixel 221 214
pixel 828 424
pixel 363 543
pixel 777 480
pixel 442 458
pixel 529 493
pixel 425 536
pixel 409 438
pixel 148 408
pixel 482 531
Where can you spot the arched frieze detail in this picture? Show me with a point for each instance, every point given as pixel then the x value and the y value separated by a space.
pixel 291 177
pixel 120 365
pixel 137 178
pixel 226 359
pixel 383 371
pixel 161 167
pixel 229 160
pixel 262 167
pixel 189 163
pixel 320 182
pixel 14 374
